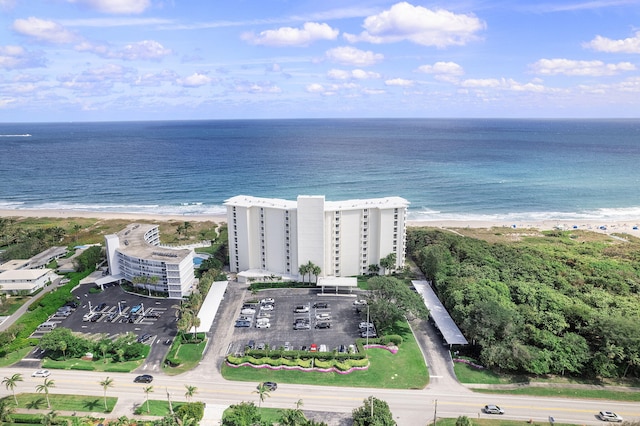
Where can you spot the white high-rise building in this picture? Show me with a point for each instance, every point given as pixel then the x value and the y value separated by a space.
pixel 343 238
pixel 135 252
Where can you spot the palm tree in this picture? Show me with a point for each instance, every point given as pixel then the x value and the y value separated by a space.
pixel 263 393
pixel 388 262
pixel 147 390
pixel 195 321
pixel 106 384
pixel 63 347
pixel 310 266
pixel 5 412
pixel 315 271
pixel 11 383
pixel 302 270
pixel 191 390
pixel 48 419
pixel 44 387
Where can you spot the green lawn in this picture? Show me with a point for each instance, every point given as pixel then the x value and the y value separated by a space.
pixel 404 370
pixel 99 365
pixel 157 407
pixel 188 354
pixel 13 357
pixel 468 374
pixel 62 402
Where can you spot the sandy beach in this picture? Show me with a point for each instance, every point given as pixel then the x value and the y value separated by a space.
pixel 631 227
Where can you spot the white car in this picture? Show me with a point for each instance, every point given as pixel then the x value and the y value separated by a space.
pixel 41 373
pixel 609 416
pixel 365 325
pixel 359 302
pixel 323 317
pixel 248 311
pixel 301 309
pixel 263 325
pixel 268 301
pixel 266 308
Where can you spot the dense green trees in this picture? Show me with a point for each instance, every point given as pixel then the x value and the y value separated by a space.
pixel 545 305
pixel 62 343
pixel 373 412
pixel 390 300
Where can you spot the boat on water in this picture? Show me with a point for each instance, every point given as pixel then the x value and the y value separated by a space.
pixel 26 135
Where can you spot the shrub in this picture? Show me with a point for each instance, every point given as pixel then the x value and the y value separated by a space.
pixel 195 410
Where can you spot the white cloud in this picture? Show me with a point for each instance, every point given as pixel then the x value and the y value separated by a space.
pixel 257 87
pixel 399 82
pixel 16 57
pixel 98 81
pixel 156 79
pixel 347 55
pixel 443 71
pixel 419 25
pixel 357 74
pixel 195 80
pixel 627 45
pixel 315 88
pixel 44 30
pixel 579 68
pixel 287 36
pixel 115 6
pixel 505 84
pixel 143 50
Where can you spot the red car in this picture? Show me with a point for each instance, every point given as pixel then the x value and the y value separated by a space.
pixel 313 348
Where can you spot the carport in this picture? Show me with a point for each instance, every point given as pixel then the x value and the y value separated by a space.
pixel 443 321
pixel 210 305
pixel 337 283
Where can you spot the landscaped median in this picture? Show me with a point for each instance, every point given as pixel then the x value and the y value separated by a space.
pixel 393 362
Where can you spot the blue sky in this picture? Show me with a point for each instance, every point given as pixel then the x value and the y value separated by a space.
pixel 100 60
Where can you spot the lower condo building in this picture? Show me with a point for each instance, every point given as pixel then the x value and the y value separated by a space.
pixel 135 255
pixel 343 238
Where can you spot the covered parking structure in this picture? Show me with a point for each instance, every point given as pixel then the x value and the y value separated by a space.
pixel 441 318
pixel 337 283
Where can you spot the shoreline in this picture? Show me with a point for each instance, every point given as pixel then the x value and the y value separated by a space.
pixel 631 227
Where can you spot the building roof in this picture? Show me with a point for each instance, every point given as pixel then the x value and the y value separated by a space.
pixel 23 274
pixel 450 331
pixel 133 243
pixel 14 264
pixel 386 202
pixel 47 256
pixel 337 282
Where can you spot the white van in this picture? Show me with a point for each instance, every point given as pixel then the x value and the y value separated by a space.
pixel 47 325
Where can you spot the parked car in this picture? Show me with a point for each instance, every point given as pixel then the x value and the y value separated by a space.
pixel 263 325
pixel 268 300
pixel 101 306
pixel 266 308
pixel 145 378
pixel 323 325
pixel 321 305
pixel 261 346
pixel 264 314
pixel 270 386
pixel 95 317
pixel 609 416
pixel 41 373
pixel 365 325
pixel 144 338
pixel 243 324
pixel 323 317
pixel 492 409
pixel 368 333
pixel 301 320
pixel 248 311
pixel 359 302
pixel 301 326
pixel 251 344
pixel 313 348
pixel 301 309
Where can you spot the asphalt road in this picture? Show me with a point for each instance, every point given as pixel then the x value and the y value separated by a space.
pixel 409 407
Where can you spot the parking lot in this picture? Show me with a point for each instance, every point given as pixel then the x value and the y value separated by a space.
pixel 339 312
pixel 114 312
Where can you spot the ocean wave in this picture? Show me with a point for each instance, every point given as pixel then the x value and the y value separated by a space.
pixel 617 214
pixel 193 209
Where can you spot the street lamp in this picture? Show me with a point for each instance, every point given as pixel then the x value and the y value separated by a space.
pixel 367 329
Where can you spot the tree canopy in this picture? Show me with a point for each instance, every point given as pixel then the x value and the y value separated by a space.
pixel 548 304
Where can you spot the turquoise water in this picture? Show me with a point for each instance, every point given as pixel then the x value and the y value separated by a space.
pixel 447 169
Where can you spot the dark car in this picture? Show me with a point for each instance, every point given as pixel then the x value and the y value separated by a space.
pixel 144 338
pixel 96 317
pixel 270 386
pixel 101 306
pixel 301 326
pixel 321 305
pixel 243 324
pixel 323 325
pixel 145 378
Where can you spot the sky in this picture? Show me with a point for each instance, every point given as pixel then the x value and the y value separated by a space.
pixel 111 60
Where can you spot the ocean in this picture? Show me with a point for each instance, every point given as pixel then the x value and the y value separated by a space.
pixel 448 169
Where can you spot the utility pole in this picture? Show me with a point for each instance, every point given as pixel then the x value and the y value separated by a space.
pixel 435 412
